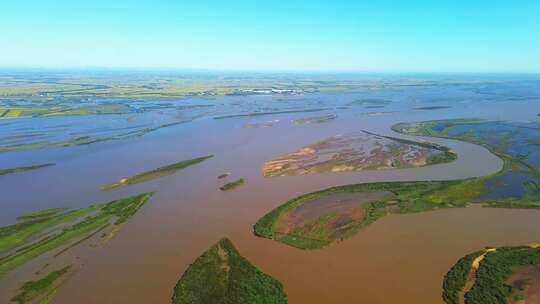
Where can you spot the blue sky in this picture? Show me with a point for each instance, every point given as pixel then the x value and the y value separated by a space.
pixel 386 36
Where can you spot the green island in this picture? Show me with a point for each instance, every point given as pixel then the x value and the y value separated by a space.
pixel 370 102
pixel 270 113
pixel 316 119
pixel 41 290
pixel 25 241
pixel 317 219
pixel 156 173
pixel 495 276
pixel 232 185
pixel 427 108
pixel 23 169
pixel 222 275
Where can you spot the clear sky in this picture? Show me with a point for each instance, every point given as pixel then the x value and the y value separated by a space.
pixel 398 36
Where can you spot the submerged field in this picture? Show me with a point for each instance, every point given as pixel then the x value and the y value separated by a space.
pixel 41 237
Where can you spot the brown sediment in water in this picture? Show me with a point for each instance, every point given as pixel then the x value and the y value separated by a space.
pixel 189 213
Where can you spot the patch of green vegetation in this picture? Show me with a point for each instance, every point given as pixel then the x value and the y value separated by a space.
pixel 15 235
pixel 232 185
pixel 408 197
pixel 33 215
pixel 432 108
pixel 511 142
pixel 490 278
pixel 40 289
pixel 495 269
pixel 156 173
pixel 23 169
pixel 77 224
pixel 456 278
pixel 370 102
pixel 222 275
pixel 270 113
pixel 317 119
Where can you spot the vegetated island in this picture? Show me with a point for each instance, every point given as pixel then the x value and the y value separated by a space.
pixel 54 232
pixel 370 102
pixel 427 108
pixel 270 113
pixel 317 219
pixel 358 151
pixel 156 173
pixel 315 119
pixel 232 185
pixel 23 169
pixel 222 275
pixel 504 275
pixel 42 289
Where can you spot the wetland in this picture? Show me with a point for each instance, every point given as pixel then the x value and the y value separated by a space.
pixel 337 203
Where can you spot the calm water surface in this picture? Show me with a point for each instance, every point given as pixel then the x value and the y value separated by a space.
pixel 399 259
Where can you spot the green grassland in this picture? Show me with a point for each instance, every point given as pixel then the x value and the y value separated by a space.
pixel 22 242
pixel 156 173
pixel 222 275
pixel 23 169
pixel 232 185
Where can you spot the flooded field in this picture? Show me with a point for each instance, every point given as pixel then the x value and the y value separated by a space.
pixel 401 258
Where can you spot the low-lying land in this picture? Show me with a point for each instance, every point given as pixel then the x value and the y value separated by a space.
pixel 316 119
pixel 356 152
pixel 270 113
pixel 496 276
pixel 156 173
pixel 222 275
pixel 23 169
pixel 320 218
pixel 63 110
pixel 44 235
pixel 518 184
pixel 370 102
pixel 317 219
pixel 42 289
pixel 261 125
pixel 427 108
pixel 232 185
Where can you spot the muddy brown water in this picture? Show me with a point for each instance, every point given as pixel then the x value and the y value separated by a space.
pixel 398 259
